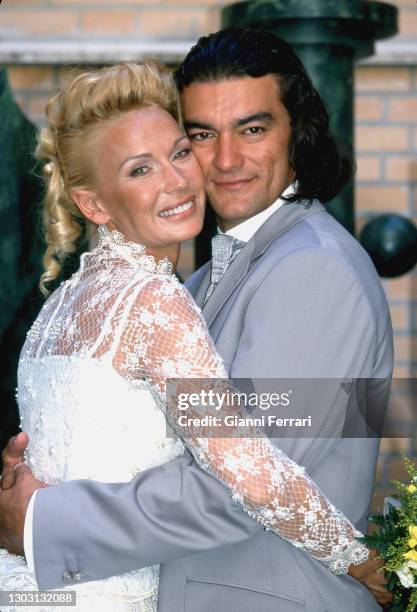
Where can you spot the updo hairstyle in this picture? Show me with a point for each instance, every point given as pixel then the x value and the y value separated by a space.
pixel 82 106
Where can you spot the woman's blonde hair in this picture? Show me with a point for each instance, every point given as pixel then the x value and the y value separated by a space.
pixel 74 113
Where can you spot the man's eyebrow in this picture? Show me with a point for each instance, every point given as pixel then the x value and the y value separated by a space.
pixel 189 125
pixel 261 116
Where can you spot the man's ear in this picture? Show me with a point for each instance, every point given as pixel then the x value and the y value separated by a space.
pixel 90 205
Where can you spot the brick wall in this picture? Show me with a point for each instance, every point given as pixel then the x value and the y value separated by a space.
pixel 386 130
pixel 386 126
pixel 148 19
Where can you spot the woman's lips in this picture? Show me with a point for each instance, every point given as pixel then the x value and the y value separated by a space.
pixel 180 210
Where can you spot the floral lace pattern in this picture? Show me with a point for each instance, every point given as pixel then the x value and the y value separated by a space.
pixel 109 337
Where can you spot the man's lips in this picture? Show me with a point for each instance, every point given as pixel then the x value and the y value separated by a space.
pixel 234 184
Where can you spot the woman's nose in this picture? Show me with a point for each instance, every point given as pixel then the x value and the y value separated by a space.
pixel 174 179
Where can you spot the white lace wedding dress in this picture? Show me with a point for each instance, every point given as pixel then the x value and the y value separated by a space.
pixel 91 377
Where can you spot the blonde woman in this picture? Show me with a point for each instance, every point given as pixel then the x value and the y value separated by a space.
pixel 98 355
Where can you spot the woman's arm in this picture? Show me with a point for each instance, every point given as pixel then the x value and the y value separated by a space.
pixel 166 337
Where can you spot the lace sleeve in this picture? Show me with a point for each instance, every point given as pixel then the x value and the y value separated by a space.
pixel 165 336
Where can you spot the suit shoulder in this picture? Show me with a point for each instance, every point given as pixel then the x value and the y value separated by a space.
pixel 318 246
pixel 322 236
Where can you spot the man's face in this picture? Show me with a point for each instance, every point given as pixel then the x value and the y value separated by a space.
pixel 239 131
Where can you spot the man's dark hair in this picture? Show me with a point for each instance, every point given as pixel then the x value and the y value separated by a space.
pixel 321 168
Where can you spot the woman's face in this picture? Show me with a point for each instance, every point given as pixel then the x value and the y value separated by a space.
pixel 147 180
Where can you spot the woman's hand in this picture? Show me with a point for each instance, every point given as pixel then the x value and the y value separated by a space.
pixel 371 574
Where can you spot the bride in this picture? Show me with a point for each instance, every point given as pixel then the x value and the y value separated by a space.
pixel 97 357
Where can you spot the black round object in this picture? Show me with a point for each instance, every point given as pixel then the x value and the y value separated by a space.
pixel 391 241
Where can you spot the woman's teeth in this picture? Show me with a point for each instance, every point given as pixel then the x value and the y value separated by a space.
pixel 175 211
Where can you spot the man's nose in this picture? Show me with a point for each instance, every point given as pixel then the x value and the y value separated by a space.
pixel 174 179
pixel 227 154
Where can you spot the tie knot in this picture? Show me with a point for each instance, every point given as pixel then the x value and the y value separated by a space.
pixel 222 248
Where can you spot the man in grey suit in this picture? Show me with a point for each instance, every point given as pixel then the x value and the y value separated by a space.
pixel 299 299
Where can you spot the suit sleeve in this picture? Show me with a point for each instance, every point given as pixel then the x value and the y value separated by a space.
pixel 99 530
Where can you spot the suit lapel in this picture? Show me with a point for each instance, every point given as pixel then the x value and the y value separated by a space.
pixel 198 287
pixel 277 224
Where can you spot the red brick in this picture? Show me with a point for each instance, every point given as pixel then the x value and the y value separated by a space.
pixel 403 287
pixel 173 23
pixel 368 108
pixel 381 138
pixel 24 3
pixel 401 169
pixel 403 109
pixel 374 198
pixel 400 410
pixel 399 316
pixel 405 347
pixel 402 371
pixel 408 23
pixel 378 78
pixel 108 22
pixel 37 105
pixel 368 168
pixel 31 77
pixel 46 22
pixel 104 4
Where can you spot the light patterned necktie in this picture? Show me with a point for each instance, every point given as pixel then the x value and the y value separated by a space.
pixel 223 249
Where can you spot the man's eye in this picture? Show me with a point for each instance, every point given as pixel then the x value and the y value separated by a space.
pixel 254 130
pixel 140 171
pixel 182 154
pixel 200 136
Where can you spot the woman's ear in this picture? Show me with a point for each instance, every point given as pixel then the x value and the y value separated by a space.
pixel 89 204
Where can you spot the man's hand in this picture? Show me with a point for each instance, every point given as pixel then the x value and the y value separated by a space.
pixel 371 574
pixel 14 500
pixel 12 456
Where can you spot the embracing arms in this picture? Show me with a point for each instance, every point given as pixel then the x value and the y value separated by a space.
pixel 145 521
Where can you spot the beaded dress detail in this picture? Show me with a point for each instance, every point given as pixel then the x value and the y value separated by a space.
pixel 96 360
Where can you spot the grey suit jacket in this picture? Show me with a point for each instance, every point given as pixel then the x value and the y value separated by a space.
pixel 302 299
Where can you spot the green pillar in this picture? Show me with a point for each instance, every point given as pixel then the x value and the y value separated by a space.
pixel 328 36
pixel 20 245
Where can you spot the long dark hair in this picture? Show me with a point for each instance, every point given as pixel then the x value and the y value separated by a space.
pixel 321 167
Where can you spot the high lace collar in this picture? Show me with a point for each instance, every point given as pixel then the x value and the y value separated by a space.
pixel 133 252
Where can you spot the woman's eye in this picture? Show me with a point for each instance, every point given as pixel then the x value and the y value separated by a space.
pixel 140 171
pixel 182 154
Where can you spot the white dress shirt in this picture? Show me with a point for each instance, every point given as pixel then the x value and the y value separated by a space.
pixel 244 232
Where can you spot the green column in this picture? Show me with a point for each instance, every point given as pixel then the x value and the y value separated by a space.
pixel 328 36
pixel 20 250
